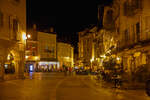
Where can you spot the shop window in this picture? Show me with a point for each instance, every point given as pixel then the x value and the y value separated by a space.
pixel 9 65
pixel 9 68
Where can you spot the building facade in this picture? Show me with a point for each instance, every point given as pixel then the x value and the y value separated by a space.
pixel 65 54
pixel 125 34
pixel 47 51
pixel 12 38
pixel 31 54
pixel 86 47
pixel 133 25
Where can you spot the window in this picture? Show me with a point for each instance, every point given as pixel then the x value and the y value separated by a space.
pixel 138 31
pixel 109 17
pixel 147 22
pixel 10 68
pixel 126 35
pixel 118 30
pixel 130 7
pixel 15 29
pixel 134 34
pixel 125 8
pixel 137 3
pixel 1 19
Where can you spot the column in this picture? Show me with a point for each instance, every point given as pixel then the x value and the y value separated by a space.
pixel 21 65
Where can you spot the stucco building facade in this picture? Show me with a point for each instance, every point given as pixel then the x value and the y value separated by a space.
pixel 65 54
pixel 12 38
pixel 133 36
pixel 86 47
pixel 47 51
pixel 125 34
pixel 31 54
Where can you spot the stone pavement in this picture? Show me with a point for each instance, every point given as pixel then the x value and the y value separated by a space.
pixel 56 86
pixel 125 85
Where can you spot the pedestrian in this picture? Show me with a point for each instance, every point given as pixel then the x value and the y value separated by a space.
pixel 70 70
pixel 66 70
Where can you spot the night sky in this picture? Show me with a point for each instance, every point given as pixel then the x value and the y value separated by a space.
pixel 67 17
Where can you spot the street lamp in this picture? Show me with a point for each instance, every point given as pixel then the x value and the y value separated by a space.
pixel 118 58
pixel 91 64
pixel 26 57
pixel 28 36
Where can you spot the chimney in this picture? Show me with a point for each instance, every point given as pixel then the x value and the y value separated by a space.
pixel 34 26
pixel 51 29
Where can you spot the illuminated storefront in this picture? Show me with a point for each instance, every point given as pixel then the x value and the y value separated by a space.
pixel 10 65
pixel 47 66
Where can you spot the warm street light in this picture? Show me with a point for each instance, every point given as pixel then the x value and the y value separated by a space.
pixel 28 36
pixel 118 58
pixel 8 57
pixel 26 57
pixel 92 60
pixel 103 56
pixel 36 58
pixel 91 64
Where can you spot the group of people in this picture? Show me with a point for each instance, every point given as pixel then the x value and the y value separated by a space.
pixel 68 70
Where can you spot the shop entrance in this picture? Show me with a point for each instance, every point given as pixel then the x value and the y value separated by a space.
pixel 9 66
pixel 47 67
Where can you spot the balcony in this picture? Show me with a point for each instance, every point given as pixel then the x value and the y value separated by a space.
pixel 131 46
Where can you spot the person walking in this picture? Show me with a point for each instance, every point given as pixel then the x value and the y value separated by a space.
pixel 70 70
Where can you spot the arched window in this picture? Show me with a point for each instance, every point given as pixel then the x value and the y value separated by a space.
pixel 109 16
pixel 109 21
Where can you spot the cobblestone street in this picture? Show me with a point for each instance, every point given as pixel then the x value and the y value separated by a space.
pixel 56 86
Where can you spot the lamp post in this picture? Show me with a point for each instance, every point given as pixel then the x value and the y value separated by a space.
pixel 26 37
pixel 22 52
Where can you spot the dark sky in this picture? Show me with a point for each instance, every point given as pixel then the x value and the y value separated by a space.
pixel 67 17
